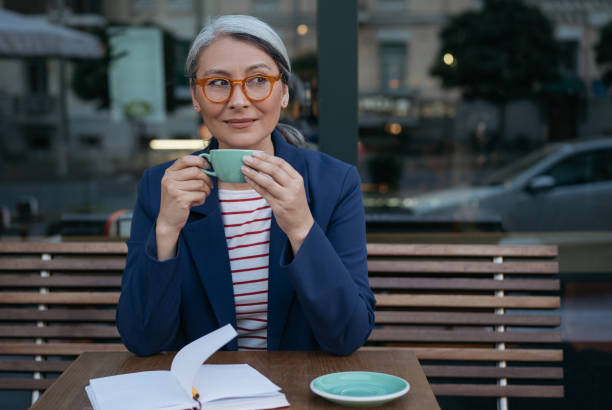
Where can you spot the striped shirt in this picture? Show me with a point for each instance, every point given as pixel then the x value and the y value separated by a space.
pixel 246 219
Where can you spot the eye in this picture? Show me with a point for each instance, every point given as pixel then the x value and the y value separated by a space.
pixel 218 82
pixel 257 81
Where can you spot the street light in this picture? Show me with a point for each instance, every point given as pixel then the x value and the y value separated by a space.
pixel 448 59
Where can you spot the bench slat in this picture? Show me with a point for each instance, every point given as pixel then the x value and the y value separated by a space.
pixel 60 331
pixel 85 298
pixel 59 349
pixel 78 264
pixel 480 354
pixel 34 366
pixel 387 249
pixel 14 383
pixel 88 248
pixel 467 301
pixel 481 390
pixel 407 335
pixel 87 315
pixel 492 372
pixel 464 284
pixel 461 267
pixel 467 318
pixel 64 281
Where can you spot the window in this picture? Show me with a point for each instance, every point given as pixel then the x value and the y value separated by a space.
pixel 265 6
pixel 90 141
pixel 392 65
pixel 602 166
pixel 568 50
pixel 179 5
pixel 391 5
pixel 586 167
pixel 38 138
pixel 143 4
pixel 36 76
pixel 84 6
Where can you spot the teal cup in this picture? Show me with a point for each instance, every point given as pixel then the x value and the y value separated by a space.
pixel 226 163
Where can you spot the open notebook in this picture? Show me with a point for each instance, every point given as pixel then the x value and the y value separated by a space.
pixel 228 386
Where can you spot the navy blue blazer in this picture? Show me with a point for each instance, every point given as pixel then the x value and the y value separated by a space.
pixel 319 299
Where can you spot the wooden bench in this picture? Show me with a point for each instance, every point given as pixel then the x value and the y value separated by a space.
pixel 482 319
pixel 57 300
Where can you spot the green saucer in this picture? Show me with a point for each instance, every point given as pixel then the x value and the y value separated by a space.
pixel 359 389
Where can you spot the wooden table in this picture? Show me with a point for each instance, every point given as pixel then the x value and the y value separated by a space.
pixel 291 370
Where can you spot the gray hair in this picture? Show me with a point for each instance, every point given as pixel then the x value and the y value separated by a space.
pixel 257 32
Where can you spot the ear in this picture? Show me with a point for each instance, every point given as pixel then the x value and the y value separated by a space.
pixel 285 96
pixel 193 90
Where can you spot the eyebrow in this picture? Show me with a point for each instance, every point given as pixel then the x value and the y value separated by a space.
pixel 216 71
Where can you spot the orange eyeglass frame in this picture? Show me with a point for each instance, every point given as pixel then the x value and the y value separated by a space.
pixel 202 83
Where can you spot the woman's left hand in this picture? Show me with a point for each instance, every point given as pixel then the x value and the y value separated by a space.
pixel 283 187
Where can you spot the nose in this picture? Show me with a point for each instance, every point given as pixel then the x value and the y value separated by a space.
pixel 237 98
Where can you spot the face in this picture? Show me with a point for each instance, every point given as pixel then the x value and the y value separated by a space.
pixel 239 123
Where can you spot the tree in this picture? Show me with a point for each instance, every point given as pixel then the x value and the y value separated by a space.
pixel 502 52
pixel 90 77
pixel 603 51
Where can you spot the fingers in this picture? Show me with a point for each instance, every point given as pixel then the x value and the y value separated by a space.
pixel 268 164
pixel 278 162
pixel 189 199
pixel 186 174
pixel 193 185
pixel 189 161
pixel 264 184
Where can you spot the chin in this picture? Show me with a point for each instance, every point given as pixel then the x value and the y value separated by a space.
pixel 242 140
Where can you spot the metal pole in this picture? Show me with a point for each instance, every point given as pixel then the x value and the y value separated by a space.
pixel 337 65
pixel 198 14
pixel 502 402
pixel 63 141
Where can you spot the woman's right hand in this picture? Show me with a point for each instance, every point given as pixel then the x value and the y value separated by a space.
pixel 183 186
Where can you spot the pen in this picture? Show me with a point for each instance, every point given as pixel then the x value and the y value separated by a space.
pixel 196 396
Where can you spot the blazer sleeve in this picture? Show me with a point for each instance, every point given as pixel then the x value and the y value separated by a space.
pixel 148 311
pixel 330 274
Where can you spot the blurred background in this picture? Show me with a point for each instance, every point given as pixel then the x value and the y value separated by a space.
pixel 479 121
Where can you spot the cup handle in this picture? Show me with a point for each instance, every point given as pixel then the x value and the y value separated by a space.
pixel 207 156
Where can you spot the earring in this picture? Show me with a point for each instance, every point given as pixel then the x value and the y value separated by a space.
pixel 196 107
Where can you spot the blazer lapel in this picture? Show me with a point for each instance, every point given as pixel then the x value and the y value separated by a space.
pixel 206 241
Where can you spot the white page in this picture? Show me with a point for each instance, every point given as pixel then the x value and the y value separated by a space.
pixel 215 381
pixel 142 390
pixel 278 400
pixel 92 398
pixel 190 358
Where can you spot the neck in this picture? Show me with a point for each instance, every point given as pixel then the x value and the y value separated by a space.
pixel 265 145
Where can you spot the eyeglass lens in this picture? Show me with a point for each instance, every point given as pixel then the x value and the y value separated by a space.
pixel 256 88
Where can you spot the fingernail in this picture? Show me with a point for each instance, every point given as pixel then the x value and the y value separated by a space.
pixel 258 154
pixel 245 169
pixel 248 159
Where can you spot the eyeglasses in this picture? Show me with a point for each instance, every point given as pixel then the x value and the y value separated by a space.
pixel 219 90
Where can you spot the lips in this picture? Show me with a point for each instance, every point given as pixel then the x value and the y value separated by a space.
pixel 241 122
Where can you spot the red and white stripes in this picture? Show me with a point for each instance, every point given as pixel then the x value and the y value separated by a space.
pixel 246 219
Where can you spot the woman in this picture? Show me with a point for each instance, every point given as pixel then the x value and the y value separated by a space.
pixel 283 257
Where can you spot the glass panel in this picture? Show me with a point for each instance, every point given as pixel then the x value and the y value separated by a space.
pixel 79 154
pixel 488 116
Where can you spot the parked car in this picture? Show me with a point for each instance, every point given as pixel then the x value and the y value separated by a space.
pixel 563 186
